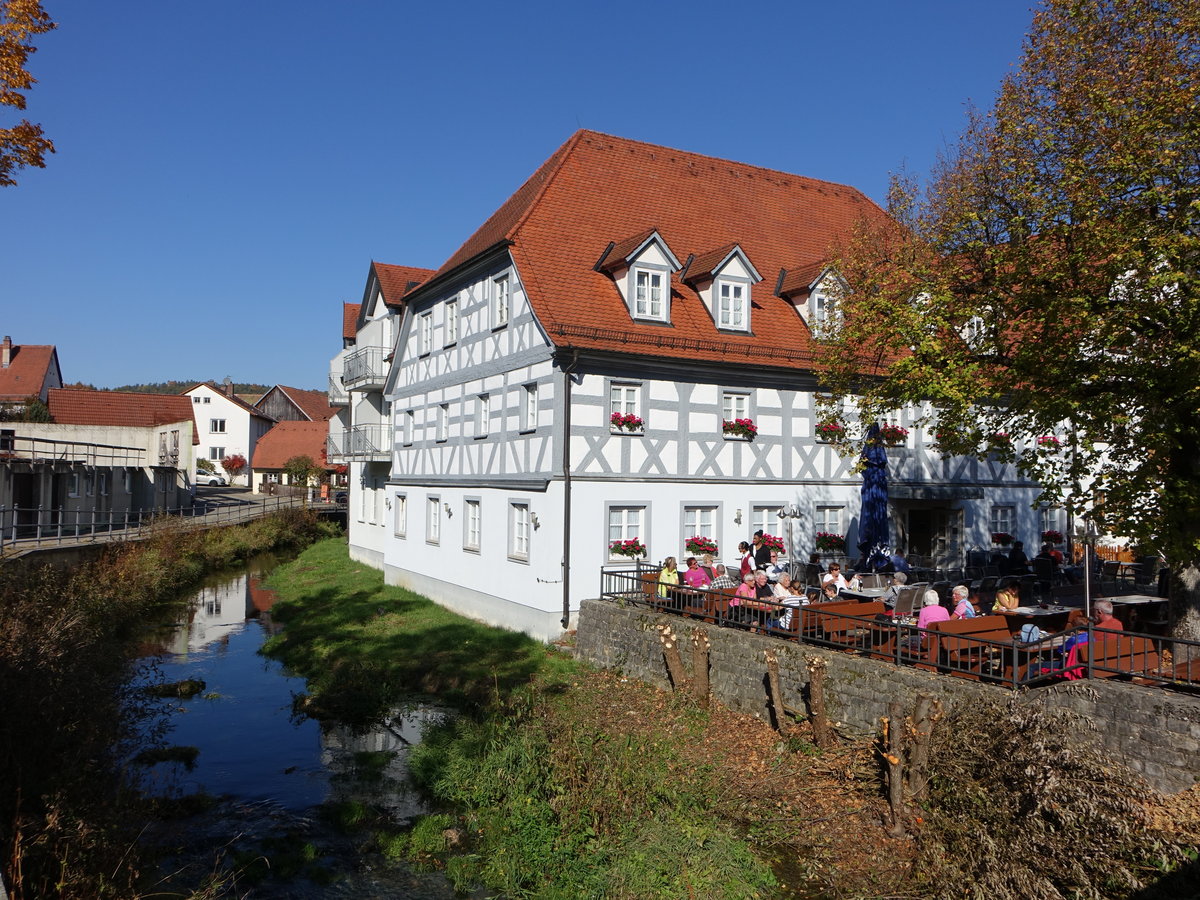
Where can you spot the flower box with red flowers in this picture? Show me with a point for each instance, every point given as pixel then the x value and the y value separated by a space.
pixel 831 543
pixel 1003 538
pixel 743 429
pixel 1048 443
pixel 632 548
pixel 893 434
pixel 626 422
pixel 700 545
pixel 771 542
pixel 1053 536
pixel 831 431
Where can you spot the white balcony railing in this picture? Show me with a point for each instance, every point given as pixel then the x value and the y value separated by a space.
pixel 365 369
pixel 335 447
pixel 369 442
pixel 338 395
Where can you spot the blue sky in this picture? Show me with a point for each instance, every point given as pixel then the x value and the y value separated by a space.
pixel 226 171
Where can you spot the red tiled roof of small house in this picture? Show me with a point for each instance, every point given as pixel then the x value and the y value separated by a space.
pixel 289 439
pixel 71 406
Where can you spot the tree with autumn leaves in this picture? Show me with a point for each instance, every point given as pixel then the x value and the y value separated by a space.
pixel 1047 280
pixel 23 144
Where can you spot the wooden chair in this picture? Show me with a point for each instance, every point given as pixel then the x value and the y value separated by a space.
pixel 971 648
pixel 846 623
pixel 1114 654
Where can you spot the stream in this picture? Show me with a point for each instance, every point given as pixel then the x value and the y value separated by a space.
pixel 268 779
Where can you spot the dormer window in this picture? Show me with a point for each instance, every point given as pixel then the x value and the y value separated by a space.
pixel 733 312
pixel 648 295
pixel 816 291
pixel 641 268
pixel 822 310
pixel 723 278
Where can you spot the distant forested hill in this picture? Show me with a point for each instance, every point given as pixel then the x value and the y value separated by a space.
pixel 178 387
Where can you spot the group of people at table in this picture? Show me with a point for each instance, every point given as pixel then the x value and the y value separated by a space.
pixel 765 594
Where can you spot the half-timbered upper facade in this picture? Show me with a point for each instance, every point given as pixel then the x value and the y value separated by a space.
pixel 580 371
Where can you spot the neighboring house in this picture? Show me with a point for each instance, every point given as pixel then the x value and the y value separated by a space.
pixel 226 425
pixel 105 454
pixel 26 370
pixel 360 436
pixel 283 442
pixel 675 292
pixel 289 404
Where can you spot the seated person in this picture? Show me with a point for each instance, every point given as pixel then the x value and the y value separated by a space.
pixel 963 608
pixel 1007 597
pixel 790 597
pixel 774 569
pixel 830 591
pixel 763 589
pixel 693 575
pixel 899 580
pixel 814 559
pixel 899 563
pixel 1018 562
pixel 745 590
pixel 706 563
pixel 721 578
pixel 835 576
pixel 784 587
pixel 932 610
pixel 668 576
pixel 1102 613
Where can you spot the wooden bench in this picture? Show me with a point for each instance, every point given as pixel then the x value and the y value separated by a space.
pixel 1112 653
pixel 969 646
pixel 843 622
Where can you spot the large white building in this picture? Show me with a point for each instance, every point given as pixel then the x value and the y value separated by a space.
pixel 678 291
pixel 226 426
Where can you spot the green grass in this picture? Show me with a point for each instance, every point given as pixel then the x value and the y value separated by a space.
pixel 364 646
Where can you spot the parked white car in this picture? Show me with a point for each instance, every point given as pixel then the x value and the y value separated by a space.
pixel 212 479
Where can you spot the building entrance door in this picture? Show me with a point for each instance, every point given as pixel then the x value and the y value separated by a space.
pixel 936 533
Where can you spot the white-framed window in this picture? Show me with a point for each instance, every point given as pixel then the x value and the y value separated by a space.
pixel 73 485
pixel 518 529
pixel 216 453
pixel 425 328
pixel 89 483
pixel 102 483
pixel 196 400
pixel 735 405
pixel 625 523
pixel 452 321
pixel 165 481
pixel 472 524
pixel 828 519
pixel 1048 520
pixel 824 313
pixel 699 521
pixel 410 420
pixel 648 300
pixel 433 519
pixel 206 399
pixel 624 399
pixel 483 415
pixel 1003 519
pixel 529 406
pixel 216 426
pixel 500 301
pixel 129 481
pixel 765 518
pixel 400 515
pixel 732 305
pixel 443 421
pixel 365 506
pixel 378 517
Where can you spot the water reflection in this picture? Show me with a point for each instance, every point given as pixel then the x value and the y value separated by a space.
pixel 272 770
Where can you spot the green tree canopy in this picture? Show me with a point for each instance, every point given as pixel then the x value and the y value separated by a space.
pixel 1047 281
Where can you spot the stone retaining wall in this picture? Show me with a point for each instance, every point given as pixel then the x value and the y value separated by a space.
pixel 1150 730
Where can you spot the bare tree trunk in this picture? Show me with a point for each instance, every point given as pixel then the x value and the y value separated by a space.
pixel 700 647
pixel 893 754
pixel 822 734
pixel 671 651
pixel 925 716
pixel 782 723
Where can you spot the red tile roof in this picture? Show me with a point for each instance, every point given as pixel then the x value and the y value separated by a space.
pixel 350 320
pixel 289 439
pixel 314 404
pixel 396 281
pixel 598 189
pixel 70 406
pixel 30 365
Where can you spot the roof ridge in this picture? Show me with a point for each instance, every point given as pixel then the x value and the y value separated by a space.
pixel 722 159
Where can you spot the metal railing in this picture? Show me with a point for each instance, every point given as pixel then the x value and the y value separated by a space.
pixel 1141 657
pixel 369 441
pixel 23 529
pixel 16 449
pixel 365 369
pixel 338 395
pixel 335 446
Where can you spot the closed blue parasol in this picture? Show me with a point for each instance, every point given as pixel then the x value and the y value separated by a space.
pixel 873 535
